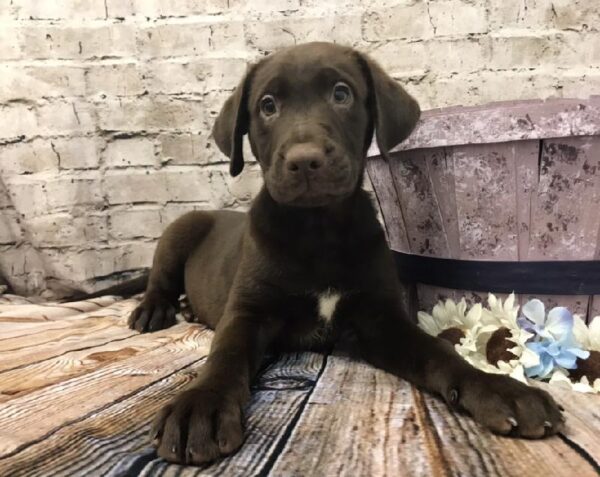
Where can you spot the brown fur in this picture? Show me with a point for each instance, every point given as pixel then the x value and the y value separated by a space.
pixel 256 277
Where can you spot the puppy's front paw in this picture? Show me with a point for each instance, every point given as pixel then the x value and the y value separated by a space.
pixel 198 426
pixel 509 407
pixel 152 314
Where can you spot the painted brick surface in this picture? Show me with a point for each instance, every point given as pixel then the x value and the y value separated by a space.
pixel 107 106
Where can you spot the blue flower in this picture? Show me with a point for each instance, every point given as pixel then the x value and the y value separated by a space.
pixel 554 354
pixel 558 325
pixel 553 338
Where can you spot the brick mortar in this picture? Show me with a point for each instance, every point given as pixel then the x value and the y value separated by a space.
pixel 98 81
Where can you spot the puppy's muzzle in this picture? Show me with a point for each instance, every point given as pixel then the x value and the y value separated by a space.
pixel 310 172
pixel 306 160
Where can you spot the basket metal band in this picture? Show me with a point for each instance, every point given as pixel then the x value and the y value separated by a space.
pixel 543 277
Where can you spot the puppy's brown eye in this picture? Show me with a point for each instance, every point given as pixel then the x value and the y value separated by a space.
pixel 267 105
pixel 342 93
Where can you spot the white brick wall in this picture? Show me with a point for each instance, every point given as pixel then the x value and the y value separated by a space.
pixel 107 106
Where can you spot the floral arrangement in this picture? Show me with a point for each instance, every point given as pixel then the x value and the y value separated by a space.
pixel 557 347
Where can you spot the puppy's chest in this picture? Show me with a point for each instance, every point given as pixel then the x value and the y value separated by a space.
pixel 326 304
pixel 312 317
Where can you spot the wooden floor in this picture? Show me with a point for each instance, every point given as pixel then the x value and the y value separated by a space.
pixel 78 390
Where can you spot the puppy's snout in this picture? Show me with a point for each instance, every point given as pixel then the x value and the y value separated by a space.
pixel 304 158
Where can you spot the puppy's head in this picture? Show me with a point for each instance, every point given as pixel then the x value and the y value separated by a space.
pixel 310 111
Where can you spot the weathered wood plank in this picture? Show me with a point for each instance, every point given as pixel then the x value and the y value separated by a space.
pixel 594 308
pixel 18 353
pixel 50 311
pixel 565 218
pixel 486 200
pixel 48 332
pixel 89 329
pixel 31 416
pixel 418 202
pixel 429 295
pixel 387 196
pixel 565 222
pixel 278 397
pixel 473 451
pixel 440 168
pixel 15 323
pixel 90 354
pixel 503 122
pixel 95 442
pixel 356 421
pixel 10 299
pixel 114 440
pixel 526 154
pixel 583 419
pixel 360 421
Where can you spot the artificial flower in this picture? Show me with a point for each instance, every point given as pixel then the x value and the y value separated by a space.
pixel 560 378
pixel 495 340
pixel 451 321
pixel 505 346
pixel 554 354
pixel 588 336
pixel 513 368
pixel 553 339
pixel 557 325
pixel 501 313
pixel 587 370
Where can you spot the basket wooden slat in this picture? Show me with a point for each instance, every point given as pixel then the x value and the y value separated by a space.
pixel 512 182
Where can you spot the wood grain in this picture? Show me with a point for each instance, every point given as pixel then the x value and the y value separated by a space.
pixel 471 450
pixel 469 189
pixel 360 421
pixel 565 219
pixel 583 420
pixel 87 411
pixel 395 225
pixel 97 353
pixel 440 169
pixel 418 202
pixel 503 122
pixel 278 397
pixel 31 416
pixel 114 439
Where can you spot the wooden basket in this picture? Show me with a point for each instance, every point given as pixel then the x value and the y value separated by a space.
pixel 515 182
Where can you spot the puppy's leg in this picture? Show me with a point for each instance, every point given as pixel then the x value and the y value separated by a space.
pixel 205 421
pixel 165 284
pixel 503 404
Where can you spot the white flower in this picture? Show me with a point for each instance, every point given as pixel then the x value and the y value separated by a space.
pixel 587 336
pixel 450 315
pixel 504 314
pixel 514 368
pixel 482 333
pixel 559 378
pixel 465 326
pixel 432 324
pixel 447 315
pixel 501 313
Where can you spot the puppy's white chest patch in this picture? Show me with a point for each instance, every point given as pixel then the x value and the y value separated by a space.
pixel 328 300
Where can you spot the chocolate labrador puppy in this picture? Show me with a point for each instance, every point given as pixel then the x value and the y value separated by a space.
pixel 309 260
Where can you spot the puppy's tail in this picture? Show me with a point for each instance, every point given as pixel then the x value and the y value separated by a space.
pixel 125 289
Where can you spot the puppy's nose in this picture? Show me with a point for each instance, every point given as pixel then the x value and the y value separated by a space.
pixel 304 158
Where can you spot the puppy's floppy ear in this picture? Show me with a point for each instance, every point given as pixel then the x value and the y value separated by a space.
pixel 395 112
pixel 232 123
